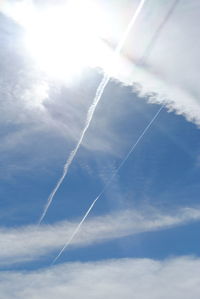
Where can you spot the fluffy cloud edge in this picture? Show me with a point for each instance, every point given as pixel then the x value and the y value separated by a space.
pixel 149 85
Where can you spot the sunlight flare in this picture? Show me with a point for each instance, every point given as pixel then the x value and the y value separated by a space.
pixel 63 40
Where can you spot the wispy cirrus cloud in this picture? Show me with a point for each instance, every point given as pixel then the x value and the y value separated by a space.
pixel 177 278
pixel 32 242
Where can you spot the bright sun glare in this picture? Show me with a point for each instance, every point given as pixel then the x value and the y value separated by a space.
pixel 65 39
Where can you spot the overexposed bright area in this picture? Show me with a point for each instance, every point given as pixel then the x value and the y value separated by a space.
pixel 64 37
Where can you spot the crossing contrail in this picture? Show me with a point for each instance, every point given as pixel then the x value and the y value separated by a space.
pixel 91 111
pixel 132 149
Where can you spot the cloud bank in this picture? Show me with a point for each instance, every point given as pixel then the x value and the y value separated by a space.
pixel 31 242
pixel 165 69
pixel 177 278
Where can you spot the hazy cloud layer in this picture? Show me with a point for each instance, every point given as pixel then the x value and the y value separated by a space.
pixel 178 278
pixel 31 242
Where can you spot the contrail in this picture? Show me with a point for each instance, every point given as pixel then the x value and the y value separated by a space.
pixel 76 230
pixel 144 56
pixel 157 32
pixel 91 111
pixel 132 149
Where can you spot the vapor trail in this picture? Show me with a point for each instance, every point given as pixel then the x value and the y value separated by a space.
pixel 141 61
pixel 91 111
pixel 75 231
pixel 157 32
pixel 132 149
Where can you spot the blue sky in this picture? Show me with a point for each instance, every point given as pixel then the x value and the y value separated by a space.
pixel 143 231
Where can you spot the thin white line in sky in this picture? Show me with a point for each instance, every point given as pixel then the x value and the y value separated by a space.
pixel 132 149
pixel 91 111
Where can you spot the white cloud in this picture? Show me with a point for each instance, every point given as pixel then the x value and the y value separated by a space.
pixel 32 105
pixel 169 75
pixel 169 71
pixel 177 278
pixel 27 243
